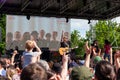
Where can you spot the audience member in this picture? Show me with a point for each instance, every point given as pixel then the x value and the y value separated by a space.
pixel 29 56
pixel 2 70
pixel 33 71
pixel 104 71
pixel 107 51
pixel 81 73
pixel 12 73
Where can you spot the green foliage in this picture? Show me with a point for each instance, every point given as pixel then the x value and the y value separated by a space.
pixel 3 33
pixel 75 37
pixel 105 30
pixel 76 40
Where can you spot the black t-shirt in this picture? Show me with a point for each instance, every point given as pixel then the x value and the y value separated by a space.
pixel 65 44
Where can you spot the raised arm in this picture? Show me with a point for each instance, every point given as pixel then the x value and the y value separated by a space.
pixel 117 59
pixel 64 71
pixel 37 48
pixel 111 59
pixel 13 57
pixel 88 51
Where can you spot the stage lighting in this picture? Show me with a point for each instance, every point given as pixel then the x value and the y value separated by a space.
pixel 89 21
pixel 67 20
pixel 28 17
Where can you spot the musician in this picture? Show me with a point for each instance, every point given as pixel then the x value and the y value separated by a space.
pixel 65 42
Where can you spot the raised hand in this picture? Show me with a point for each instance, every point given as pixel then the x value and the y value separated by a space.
pixel 87 48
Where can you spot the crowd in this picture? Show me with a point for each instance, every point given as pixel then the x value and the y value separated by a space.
pixel 95 66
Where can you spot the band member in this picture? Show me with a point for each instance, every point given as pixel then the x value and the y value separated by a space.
pixel 65 42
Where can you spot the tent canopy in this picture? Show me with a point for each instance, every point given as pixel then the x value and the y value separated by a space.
pixel 84 9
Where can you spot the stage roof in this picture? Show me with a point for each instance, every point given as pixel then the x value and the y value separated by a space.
pixel 81 9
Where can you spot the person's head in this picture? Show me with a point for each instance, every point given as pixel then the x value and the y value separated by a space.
pixel 3 78
pixel 2 63
pixel 48 36
pixel 33 71
pixel 17 35
pixel 9 36
pixel 42 33
pixel 118 74
pixel 96 60
pixel 10 72
pixel 66 34
pixel 34 35
pixel 65 38
pixel 104 71
pixel 44 64
pixel 54 35
pixel 29 45
pixel 95 43
pixel 26 36
pixel 107 42
pixel 57 68
pixel 81 73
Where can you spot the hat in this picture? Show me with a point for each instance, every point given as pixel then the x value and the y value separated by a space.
pixel 97 59
pixel 81 73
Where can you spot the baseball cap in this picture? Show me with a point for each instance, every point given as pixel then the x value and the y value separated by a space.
pixel 81 73
pixel 97 59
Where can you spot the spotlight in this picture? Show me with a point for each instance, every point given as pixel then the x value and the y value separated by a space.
pixel 67 20
pixel 89 21
pixel 28 17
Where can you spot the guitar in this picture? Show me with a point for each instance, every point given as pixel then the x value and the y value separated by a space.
pixel 66 50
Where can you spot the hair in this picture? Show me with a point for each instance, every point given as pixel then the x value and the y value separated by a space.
pixel 29 45
pixel 3 78
pixel 104 71
pixel 10 72
pixel 57 68
pixel 118 74
pixel 33 71
pixel 3 63
pixel 107 42
pixel 48 35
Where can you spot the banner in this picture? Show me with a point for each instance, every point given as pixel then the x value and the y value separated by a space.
pixel 46 31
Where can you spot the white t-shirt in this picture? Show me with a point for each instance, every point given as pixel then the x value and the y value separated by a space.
pixel 2 72
pixel 30 57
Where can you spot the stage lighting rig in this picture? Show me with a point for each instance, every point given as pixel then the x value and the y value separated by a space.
pixel 28 17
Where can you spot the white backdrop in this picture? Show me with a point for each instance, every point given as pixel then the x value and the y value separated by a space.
pixel 22 25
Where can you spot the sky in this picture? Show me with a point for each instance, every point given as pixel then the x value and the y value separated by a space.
pixel 82 25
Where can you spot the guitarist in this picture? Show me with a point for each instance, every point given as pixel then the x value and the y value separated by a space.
pixel 65 43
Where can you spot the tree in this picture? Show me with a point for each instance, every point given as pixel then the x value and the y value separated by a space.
pixel 106 30
pixel 76 40
pixel 3 33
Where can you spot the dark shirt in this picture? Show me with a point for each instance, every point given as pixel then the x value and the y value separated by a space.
pixel 65 44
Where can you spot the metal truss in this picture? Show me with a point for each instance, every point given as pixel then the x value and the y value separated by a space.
pixel 47 4
pixel 90 5
pixel 67 6
pixel 25 4
pixel 2 2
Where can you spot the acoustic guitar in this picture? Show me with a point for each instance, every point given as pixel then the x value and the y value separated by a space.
pixel 65 50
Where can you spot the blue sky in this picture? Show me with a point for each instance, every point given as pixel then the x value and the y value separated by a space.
pixel 82 25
